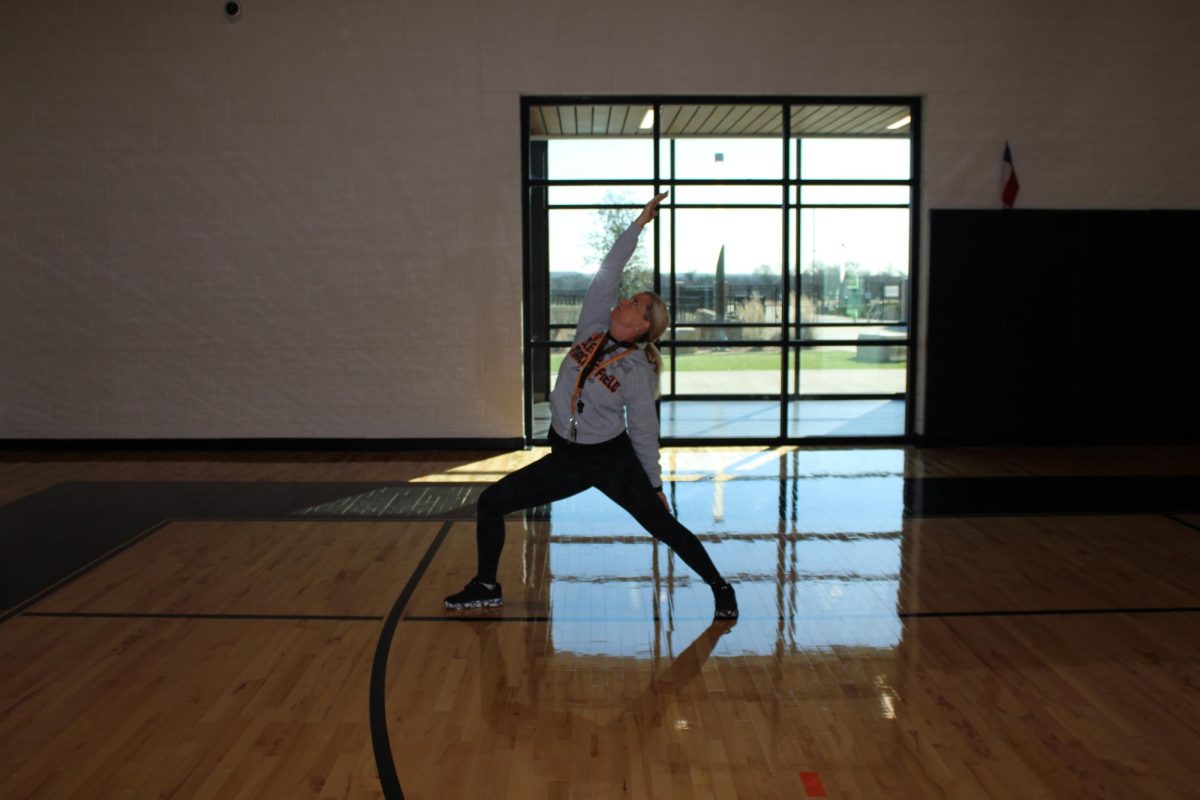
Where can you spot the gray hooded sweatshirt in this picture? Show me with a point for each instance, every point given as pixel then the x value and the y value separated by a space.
pixel 619 396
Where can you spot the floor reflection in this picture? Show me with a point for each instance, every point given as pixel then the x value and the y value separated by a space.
pixel 812 539
pixel 725 418
pixel 506 696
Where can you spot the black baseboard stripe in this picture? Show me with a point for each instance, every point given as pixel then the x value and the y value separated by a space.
pixel 289 445
pixel 1095 439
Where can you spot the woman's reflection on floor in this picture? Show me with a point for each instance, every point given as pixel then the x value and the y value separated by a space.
pixel 553 693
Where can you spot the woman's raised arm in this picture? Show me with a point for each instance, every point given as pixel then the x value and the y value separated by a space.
pixel 602 293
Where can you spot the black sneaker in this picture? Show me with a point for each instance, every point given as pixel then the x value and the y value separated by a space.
pixel 725 600
pixel 476 595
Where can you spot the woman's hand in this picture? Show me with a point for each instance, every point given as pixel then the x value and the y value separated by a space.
pixel 651 210
pixel 663 497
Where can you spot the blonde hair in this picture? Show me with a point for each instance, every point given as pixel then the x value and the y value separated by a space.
pixel 659 318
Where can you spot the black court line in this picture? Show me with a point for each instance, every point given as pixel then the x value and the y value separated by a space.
pixel 1039 612
pixel 1047 612
pixel 485 618
pixel 1038 515
pixel 641 538
pixel 1194 526
pixel 380 742
pixel 165 615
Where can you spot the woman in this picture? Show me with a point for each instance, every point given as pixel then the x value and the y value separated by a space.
pixel 603 432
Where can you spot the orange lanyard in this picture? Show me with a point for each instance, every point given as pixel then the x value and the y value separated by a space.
pixel 576 407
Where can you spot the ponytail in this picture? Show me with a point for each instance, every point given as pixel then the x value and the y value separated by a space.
pixel 659 319
pixel 655 358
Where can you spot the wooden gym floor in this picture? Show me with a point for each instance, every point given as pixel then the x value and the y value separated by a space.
pixel 959 623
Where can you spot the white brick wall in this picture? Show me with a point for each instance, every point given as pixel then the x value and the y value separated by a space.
pixel 307 222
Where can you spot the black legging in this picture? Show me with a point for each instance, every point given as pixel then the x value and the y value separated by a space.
pixel 613 468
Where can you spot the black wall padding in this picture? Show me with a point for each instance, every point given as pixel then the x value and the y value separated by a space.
pixel 1063 326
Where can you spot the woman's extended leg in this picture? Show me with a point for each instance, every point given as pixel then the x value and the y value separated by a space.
pixel 545 480
pixel 631 490
pixel 629 487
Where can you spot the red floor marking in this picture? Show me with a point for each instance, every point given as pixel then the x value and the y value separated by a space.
pixel 812 784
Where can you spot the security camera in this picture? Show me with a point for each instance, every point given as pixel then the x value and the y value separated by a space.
pixel 233 10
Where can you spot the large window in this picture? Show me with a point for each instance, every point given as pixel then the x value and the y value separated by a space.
pixel 784 252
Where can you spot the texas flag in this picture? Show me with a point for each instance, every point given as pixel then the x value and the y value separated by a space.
pixel 1011 186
